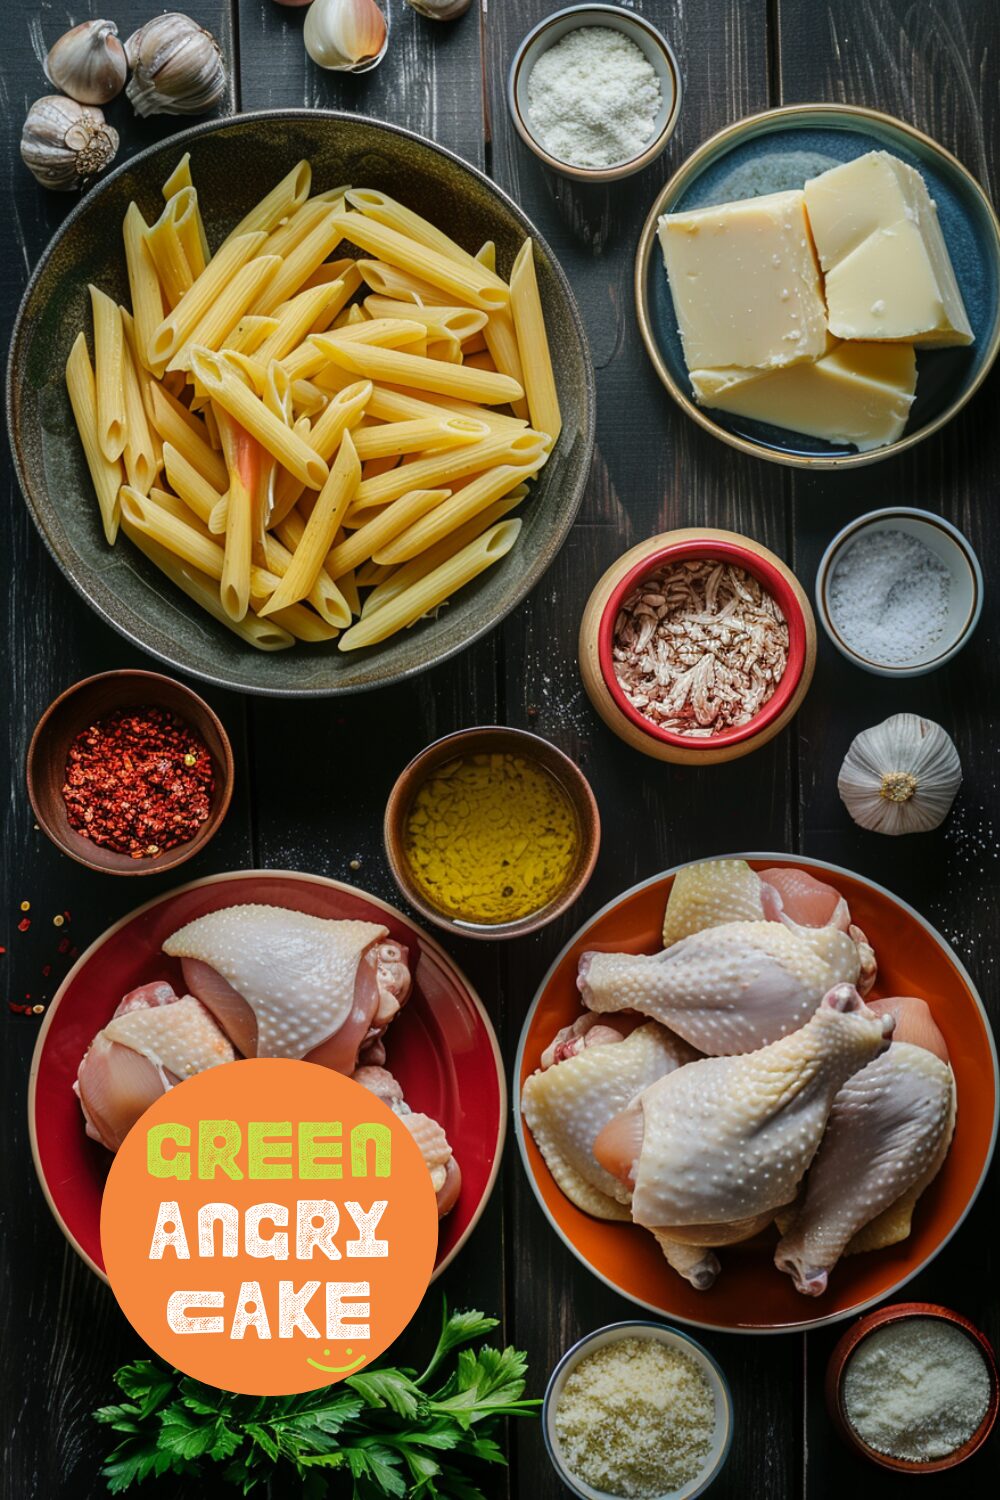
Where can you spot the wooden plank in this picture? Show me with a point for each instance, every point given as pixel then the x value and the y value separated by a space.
pixel 60 1329
pixel 926 65
pixel 653 470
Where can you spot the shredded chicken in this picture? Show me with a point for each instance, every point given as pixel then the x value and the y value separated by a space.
pixel 700 647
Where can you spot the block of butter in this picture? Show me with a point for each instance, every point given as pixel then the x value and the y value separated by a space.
pixel 858 394
pixel 888 271
pixel 745 283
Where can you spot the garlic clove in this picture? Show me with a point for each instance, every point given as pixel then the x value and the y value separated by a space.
pixel 177 67
pixel 346 36
pixel 901 776
pixel 439 10
pixel 64 143
pixel 88 63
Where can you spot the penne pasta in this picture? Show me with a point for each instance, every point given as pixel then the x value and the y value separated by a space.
pixel 109 373
pixel 177 425
pixel 186 215
pixel 178 326
pixel 464 281
pixel 378 205
pixel 321 527
pixel 141 462
pixel 376 533
pixel 460 322
pixel 264 635
pixel 391 281
pixel 143 281
pixel 145 383
pixel 289 194
pixel 395 438
pixel 434 589
pixel 192 487
pixel 228 392
pixel 302 261
pixel 243 461
pixel 179 178
pixel 400 368
pixel 248 335
pixel 325 595
pixel 348 586
pixel 106 474
pixel 396 404
pixel 296 319
pixel 521 450
pixel 465 504
pixel 227 309
pixel 533 345
pixel 175 271
pixel 175 506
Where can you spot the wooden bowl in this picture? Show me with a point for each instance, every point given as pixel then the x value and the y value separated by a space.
pixel 849 1343
pixel 493 739
pixel 597 627
pixel 83 704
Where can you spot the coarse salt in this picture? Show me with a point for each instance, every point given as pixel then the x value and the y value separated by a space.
pixel 636 1418
pixel 890 597
pixel 916 1389
pixel 593 98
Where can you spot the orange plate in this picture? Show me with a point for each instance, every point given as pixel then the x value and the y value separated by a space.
pixel 751 1295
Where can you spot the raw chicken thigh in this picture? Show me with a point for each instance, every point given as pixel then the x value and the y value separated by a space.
pixel 282 983
pixel 154 1039
pixel 714 1149
pixel 719 891
pixel 446 1174
pixel 889 1132
pixel 727 989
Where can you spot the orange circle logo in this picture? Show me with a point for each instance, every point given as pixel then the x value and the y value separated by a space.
pixel 269 1227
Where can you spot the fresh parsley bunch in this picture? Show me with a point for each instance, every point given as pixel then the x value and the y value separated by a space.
pixel 381 1432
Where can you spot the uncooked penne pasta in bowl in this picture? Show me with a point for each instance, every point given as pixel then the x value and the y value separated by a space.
pixel 315 427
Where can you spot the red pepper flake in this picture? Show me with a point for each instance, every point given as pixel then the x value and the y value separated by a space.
pixel 46 970
pixel 3 950
pixel 24 924
pixel 139 782
pixel 63 946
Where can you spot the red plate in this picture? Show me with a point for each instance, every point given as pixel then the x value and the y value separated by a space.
pixel 442 1047
pixel 751 1295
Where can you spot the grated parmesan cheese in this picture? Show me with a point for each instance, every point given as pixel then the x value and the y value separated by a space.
pixel 916 1389
pixel 636 1419
pixel 593 98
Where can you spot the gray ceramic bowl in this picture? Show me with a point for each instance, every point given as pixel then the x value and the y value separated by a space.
pixel 234 162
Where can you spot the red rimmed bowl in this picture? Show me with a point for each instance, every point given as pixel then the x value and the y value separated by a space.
pixel 597 643
pixel 442 1046
pixel 847 1345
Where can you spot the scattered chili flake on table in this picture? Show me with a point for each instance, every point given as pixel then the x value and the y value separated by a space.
pixel 138 782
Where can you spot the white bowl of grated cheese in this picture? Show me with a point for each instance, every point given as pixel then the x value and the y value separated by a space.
pixel 637 1409
pixel 899 591
pixel 595 92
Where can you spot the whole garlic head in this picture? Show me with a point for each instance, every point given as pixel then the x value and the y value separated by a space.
pixel 900 776
pixel 88 63
pixel 346 36
pixel 177 67
pixel 439 10
pixel 64 143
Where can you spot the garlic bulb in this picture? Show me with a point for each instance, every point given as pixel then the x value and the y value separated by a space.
pixel 346 36
pixel 439 10
pixel 176 66
pixel 88 63
pixel 901 776
pixel 63 143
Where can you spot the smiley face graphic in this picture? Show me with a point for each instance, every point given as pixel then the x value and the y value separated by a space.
pixel 338 1369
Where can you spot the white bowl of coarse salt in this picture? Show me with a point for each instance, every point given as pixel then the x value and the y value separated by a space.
pixel 637 1411
pixel 594 91
pixel 899 591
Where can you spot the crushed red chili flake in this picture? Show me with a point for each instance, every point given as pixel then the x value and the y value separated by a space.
pixel 24 924
pixel 130 785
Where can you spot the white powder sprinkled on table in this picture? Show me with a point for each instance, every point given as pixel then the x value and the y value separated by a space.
pixel 593 98
pixel 916 1389
pixel 889 597
pixel 636 1418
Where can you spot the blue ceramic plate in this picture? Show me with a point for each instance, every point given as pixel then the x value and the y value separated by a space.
pixel 778 150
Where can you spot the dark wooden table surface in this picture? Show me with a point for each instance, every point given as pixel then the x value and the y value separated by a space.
pixel 935 63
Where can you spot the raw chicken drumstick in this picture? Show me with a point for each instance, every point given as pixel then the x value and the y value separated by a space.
pixel 446 1174
pixel 728 989
pixel 284 984
pixel 889 1132
pixel 718 891
pixel 714 1149
pixel 154 1039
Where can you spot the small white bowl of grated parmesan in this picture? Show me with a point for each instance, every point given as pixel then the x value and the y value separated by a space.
pixel 594 91
pixel 637 1411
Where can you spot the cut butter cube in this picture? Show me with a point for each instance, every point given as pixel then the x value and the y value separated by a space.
pixel 888 272
pixel 859 394
pixel 745 283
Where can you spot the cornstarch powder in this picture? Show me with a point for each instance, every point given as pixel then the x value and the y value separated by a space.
pixel 889 597
pixel 593 98
pixel 916 1389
